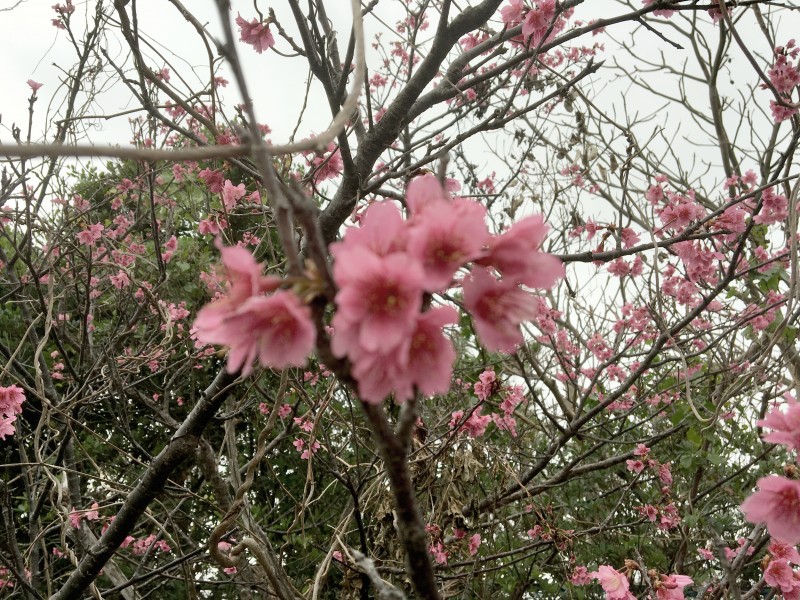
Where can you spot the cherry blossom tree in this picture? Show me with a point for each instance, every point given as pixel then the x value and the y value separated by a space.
pixel 518 319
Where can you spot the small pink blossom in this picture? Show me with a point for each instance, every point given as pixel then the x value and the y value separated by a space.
pixel 779 574
pixel 581 576
pixel 255 33
pixel 328 166
pixel 439 554
pixel 231 194
pixel 512 12
pixel 11 399
pixel 614 583
pixel 423 192
pixel 120 280
pixel 784 551
pixel 670 587
pixel 34 85
pixel 784 422
pixel 474 544
pixel 7 427
pixel 498 307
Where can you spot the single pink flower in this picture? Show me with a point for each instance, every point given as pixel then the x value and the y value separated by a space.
pixel 34 85
pixel 92 514
pixel 424 191
pixel 784 551
pixel 497 308
pixel 777 503
pixel 246 279
pixel 328 166
pixel 516 255
pixel 7 426
pixel 635 466
pixel 779 574
pixel 614 583
pixel 382 231
pixel 670 587
pixel 474 544
pixel 785 425
pixel 449 235
pixel 379 299
pixel 512 12
pixel 424 359
pixel 277 330
pixel 255 33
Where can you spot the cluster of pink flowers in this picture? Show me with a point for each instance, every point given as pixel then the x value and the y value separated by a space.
pixel 63 11
pixel 386 271
pixel 11 399
pixel 387 267
pixel 784 76
pixel 325 166
pixel 535 19
pixel 76 516
pixel 777 503
pixel 256 33
pixel 617 587
pixel 779 573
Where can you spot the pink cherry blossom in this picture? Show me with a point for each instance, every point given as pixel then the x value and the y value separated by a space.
pixel 34 85
pixel 635 466
pixel 439 553
pixel 784 551
pixel 378 301
pixel 516 255
pixel 423 192
pixel 75 518
pixel 11 399
pixel 660 12
pixel 614 583
pixel 474 544
pixel 538 20
pixel 120 280
pixel 485 385
pixel 777 503
pixel 785 425
pixel 328 166
pixel 277 330
pixel 382 231
pixel 779 574
pixel 255 33
pixel 231 194
pixel 7 426
pixel 497 308
pixel 670 587
pixel 512 12
pixel 446 238
pixel 581 576
pixel 424 359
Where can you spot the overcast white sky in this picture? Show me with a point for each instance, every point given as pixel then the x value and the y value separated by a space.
pixel 32 48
